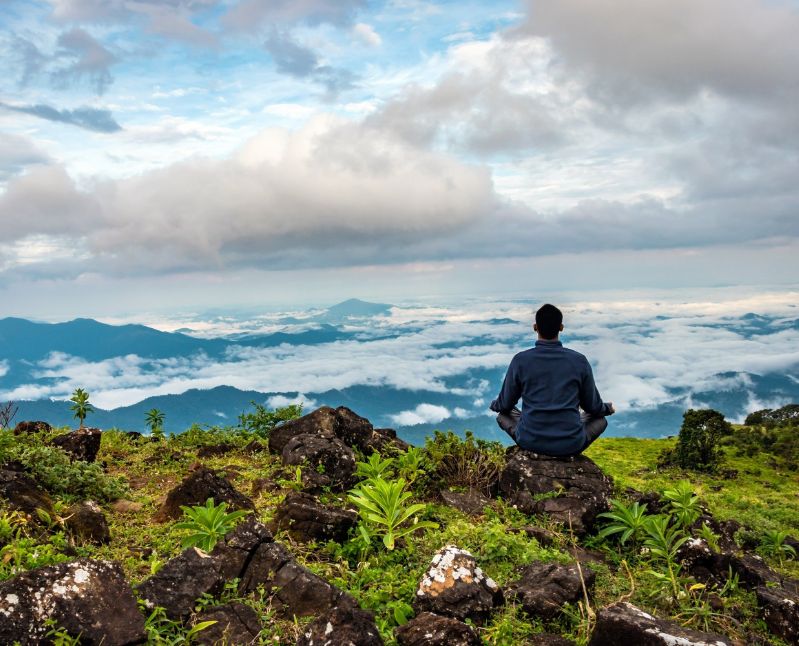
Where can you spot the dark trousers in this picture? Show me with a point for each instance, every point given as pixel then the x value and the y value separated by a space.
pixel 594 425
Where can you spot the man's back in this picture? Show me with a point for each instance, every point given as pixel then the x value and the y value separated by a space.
pixel 553 382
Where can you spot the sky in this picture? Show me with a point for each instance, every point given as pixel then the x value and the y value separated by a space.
pixel 186 154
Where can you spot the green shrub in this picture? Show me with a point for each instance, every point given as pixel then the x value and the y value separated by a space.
pixel 468 462
pixel 208 524
pixel 261 421
pixel 699 443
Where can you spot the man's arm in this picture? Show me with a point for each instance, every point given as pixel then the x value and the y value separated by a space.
pixel 590 401
pixel 510 393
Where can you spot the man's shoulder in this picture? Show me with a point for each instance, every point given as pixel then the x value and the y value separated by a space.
pixel 574 354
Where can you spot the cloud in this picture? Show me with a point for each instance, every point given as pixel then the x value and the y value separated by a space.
pixel 250 15
pixel 367 35
pixel 299 61
pixel 30 58
pixel 89 60
pixel 16 153
pixel 94 119
pixel 281 401
pixel 422 414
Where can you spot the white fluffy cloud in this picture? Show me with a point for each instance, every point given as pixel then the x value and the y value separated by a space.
pixel 422 414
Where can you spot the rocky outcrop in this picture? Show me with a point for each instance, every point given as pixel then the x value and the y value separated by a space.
pixel 236 623
pixel 428 629
pixel 83 444
pixel 780 607
pixel 470 502
pixel 454 586
pixel 249 554
pixel 623 623
pixel 200 485
pixel 345 625
pixel 307 519
pixel 87 598
pixel 21 491
pixel 340 423
pixel 24 428
pixel 87 523
pixel 544 588
pixel 325 461
pixel 572 490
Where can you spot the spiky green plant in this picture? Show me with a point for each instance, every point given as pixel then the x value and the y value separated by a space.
pixel 773 544
pixel 155 420
pixel 627 520
pixel 208 524
pixel 683 504
pixel 373 467
pixel 80 405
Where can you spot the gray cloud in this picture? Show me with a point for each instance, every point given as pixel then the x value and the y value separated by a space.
pixel 89 60
pixel 16 153
pixel 294 59
pixel 88 118
pixel 30 59
pixel 253 14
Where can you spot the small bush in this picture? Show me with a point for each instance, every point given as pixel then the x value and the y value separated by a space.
pixel 208 524
pixel 699 443
pixel 261 421
pixel 468 462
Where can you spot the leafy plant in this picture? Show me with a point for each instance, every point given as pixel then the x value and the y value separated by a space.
pixel 709 536
pixel 384 512
pixel 663 540
pixel 374 467
pixel 60 636
pixel 699 442
pixel 627 520
pixel 155 420
pixel 411 464
pixel 773 544
pixel 208 524
pixel 467 462
pixel 162 631
pixel 261 421
pixel 683 504
pixel 80 405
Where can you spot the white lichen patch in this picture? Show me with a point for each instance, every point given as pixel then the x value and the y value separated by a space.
pixel 450 566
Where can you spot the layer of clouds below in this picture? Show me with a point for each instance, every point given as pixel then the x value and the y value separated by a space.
pixel 639 352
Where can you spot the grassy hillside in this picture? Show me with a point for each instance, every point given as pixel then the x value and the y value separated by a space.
pixel 753 490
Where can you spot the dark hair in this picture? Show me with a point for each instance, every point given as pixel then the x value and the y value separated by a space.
pixel 548 318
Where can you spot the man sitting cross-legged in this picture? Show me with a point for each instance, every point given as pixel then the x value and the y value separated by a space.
pixel 553 383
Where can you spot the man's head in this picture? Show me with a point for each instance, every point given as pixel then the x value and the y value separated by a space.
pixel 548 322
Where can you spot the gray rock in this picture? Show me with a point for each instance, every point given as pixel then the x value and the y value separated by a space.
pixel 236 623
pixel 341 423
pixel 326 461
pixel 31 427
pixel 623 623
pixel 84 597
pixel 579 490
pixel 428 629
pixel 22 492
pixel 470 502
pixel 544 588
pixel 86 522
pixel 454 586
pixel 83 444
pixel 200 485
pixel 780 611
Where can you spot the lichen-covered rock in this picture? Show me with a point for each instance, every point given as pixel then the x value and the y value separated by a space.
pixel 780 611
pixel 428 629
pixel 623 623
pixel 84 597
pixel 38 426
pixel 200 485
pixel 544 588
pixel 22 493
pixel 385 440
pixel 86 522
pixel 470 502
pixel 342 626
pixel 83 444
pixel 456 587
pixel 236 623
pixel 325 461
pixel 307 519
pixel 341 423
pixel 579 490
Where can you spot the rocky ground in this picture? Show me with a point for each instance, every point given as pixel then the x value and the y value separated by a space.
pixel 498 547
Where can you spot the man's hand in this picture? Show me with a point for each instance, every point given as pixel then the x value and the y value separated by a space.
pixel 611 410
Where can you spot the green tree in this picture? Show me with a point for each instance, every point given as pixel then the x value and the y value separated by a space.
pixel 698 445
pixel 80 405
pixel 155 420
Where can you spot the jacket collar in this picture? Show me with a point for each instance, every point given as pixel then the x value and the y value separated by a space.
pixel 548 344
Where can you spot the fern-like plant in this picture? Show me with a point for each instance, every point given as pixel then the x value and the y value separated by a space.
pixel 683 504
pixel 208 524
pixel 627 520
pixel 384 510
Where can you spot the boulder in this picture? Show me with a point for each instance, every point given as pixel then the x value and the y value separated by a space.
pixel 341 423
pixel 428 629
pixel 623 623
pixel 780 611
pixel 544 537
pixel 86 522
pixel 214 450
pixel 385 440
pixel 454 586
pixel 236 623
pixel 200 485
pixel 22 492
pixel 544 588
pixel 470 502
pixel 724 529
pixel 570 490
pixel 347 625
pixel 307 519
pixel 249 554
pixel 296 590
pixel 87 598
pixel 83 444
pixel 325 461
pixel 32 427
pixel 126 506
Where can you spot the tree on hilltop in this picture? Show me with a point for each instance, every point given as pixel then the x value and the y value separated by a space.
pixel 80 405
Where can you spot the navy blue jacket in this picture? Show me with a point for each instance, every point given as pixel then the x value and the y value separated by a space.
pixel 553 382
